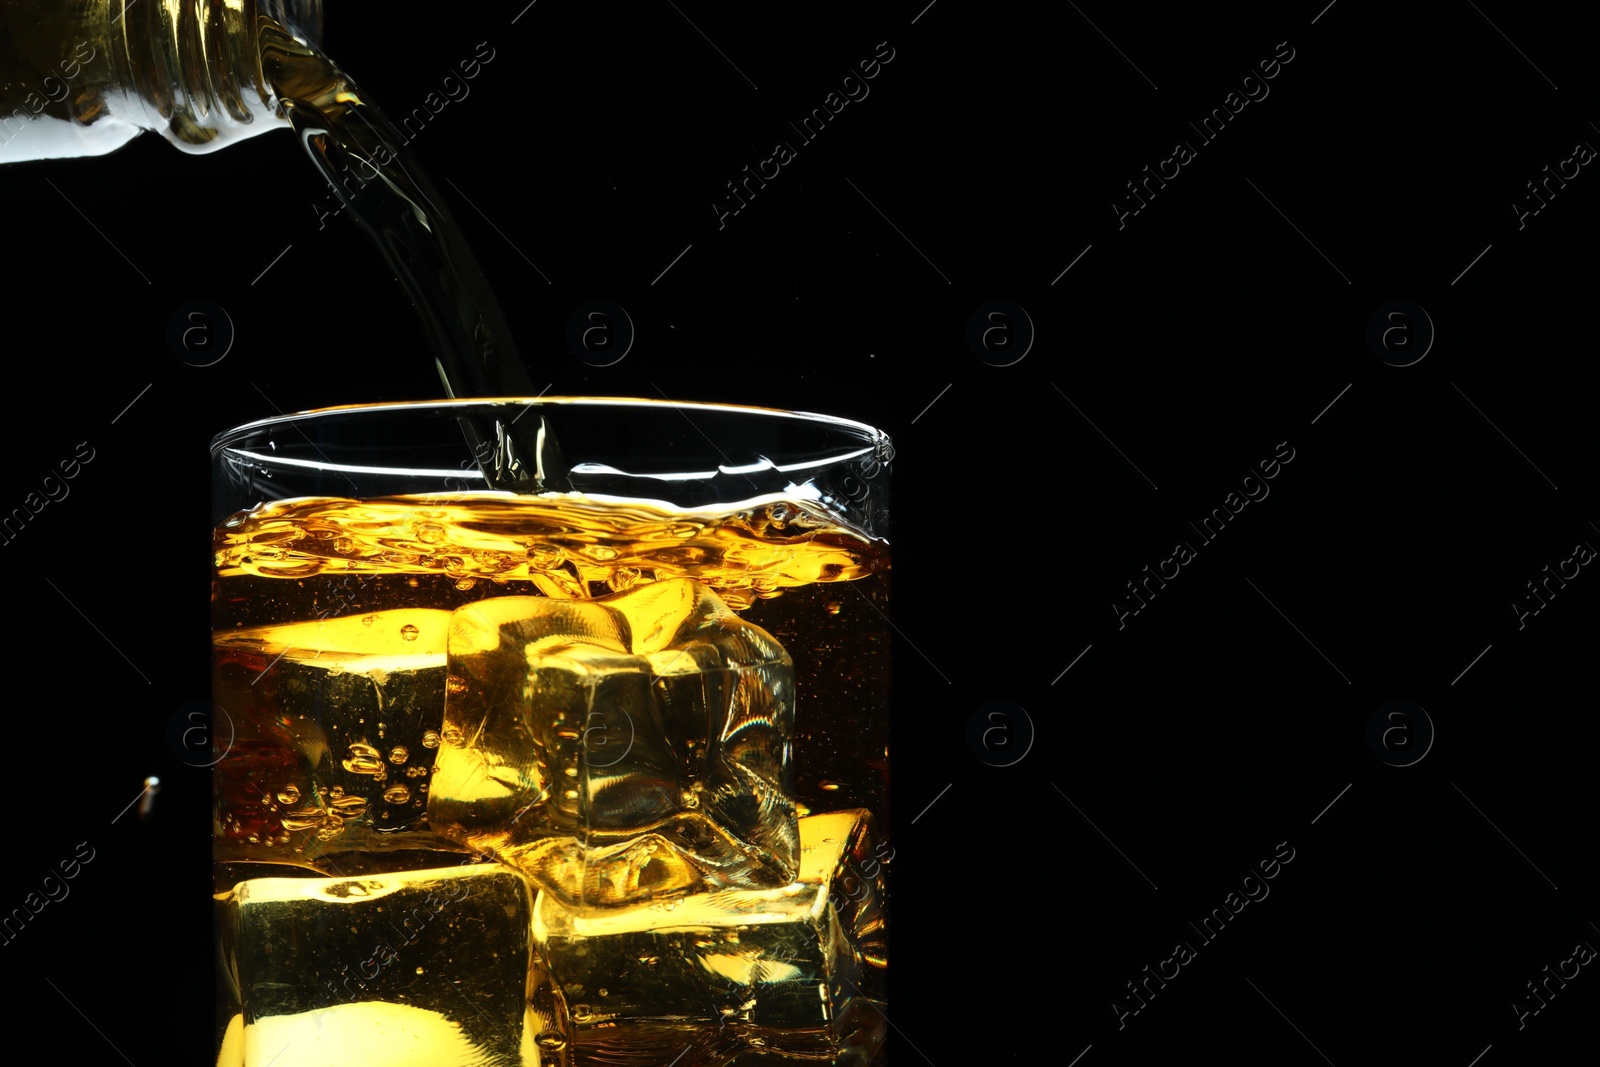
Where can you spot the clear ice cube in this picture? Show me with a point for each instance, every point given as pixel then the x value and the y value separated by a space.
pixel 332 727
pixel 794 974
pixel 620 749
pixel 438 962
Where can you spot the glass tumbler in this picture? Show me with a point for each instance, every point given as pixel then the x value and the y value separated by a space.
pixel 551 731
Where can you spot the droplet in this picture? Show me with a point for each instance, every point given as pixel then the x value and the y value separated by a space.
pixel 363 759
pixel 430 533
pixel 399 754
pixel 397 794
pixel 409 632
pixel 288 794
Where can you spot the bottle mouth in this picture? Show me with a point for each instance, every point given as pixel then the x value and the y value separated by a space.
pixel 303 18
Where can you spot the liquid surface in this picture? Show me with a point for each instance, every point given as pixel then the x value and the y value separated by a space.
pixel 565 546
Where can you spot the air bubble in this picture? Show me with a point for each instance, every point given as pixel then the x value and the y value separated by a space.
pixel 409 632
pixel 349 807
pixel 430 533
pixel 397 794
pixel 543 557
pixel 548 1041
pixel 363 759
pixel 288 794
pixel 399 754
pixel 832 606
pixel 452 736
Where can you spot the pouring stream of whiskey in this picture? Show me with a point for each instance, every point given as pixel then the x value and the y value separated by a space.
pixel 359 152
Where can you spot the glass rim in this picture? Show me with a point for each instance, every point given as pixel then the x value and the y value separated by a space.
pixel 688 456
pixel 221 440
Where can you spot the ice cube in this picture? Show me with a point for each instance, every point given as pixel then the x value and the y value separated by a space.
pixel 619 749
pixel 433 967
pixel 794 973
pixel 333 727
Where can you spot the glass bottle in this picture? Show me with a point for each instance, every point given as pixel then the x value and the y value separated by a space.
pixel 84 78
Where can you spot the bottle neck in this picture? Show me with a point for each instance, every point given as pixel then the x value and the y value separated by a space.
pixel 194 66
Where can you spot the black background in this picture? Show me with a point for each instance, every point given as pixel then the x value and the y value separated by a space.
pixel 1177 352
